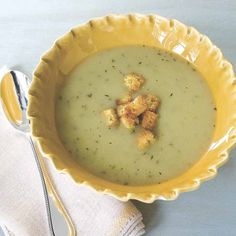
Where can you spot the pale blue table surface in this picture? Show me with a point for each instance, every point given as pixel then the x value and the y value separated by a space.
pixel 28 28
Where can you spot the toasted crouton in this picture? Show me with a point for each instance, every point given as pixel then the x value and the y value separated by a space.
pixel 120 109
pixel 152 102
pixel 129 122
pixel 126 99
pixel 149 120
pixel 136 107
pixel 111 117
pixel 134 81
pixel 145 139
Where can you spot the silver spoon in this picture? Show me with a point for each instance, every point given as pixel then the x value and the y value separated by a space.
pixel 14 97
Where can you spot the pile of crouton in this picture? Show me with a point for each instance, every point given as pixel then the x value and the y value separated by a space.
pixel 131 112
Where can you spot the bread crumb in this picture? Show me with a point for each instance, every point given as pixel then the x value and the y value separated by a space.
pixel 129 121
pixel 126 99
pixel 120 109
pixel 145 139
pixel 149 120
pixel 152 102
pixel 136 107
pixel 111 117
pixel 134 81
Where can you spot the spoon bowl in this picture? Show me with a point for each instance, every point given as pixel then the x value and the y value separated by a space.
pixel 14 99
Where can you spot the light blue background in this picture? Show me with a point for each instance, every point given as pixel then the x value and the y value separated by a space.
pixel 28 28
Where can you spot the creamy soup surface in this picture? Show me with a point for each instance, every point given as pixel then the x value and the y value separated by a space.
pixel 184 128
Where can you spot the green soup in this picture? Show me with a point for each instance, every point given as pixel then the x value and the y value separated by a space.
pixel 183 132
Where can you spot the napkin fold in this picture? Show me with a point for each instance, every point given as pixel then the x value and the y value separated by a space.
pixel 22 206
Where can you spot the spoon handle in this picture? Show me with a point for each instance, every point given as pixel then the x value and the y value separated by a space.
pixel 45 192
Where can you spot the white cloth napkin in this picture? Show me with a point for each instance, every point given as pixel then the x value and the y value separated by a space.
pixel 22 207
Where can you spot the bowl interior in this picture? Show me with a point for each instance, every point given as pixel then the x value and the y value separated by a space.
pixel 114 31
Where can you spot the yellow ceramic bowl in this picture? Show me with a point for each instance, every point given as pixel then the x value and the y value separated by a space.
pixel 119 30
